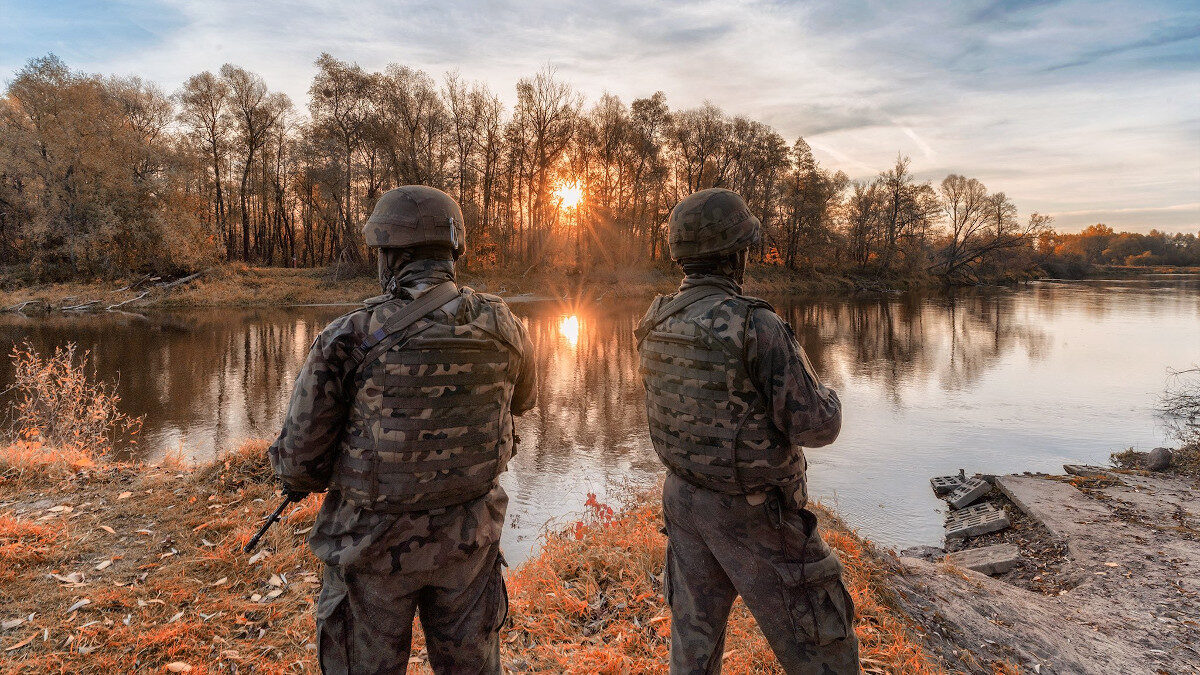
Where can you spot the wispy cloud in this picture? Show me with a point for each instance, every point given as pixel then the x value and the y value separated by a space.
pixel 1083 108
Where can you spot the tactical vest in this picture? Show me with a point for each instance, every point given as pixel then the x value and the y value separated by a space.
pixel 708 422
pixel 430 424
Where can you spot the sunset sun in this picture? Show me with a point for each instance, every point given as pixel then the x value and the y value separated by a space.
pixel 569 194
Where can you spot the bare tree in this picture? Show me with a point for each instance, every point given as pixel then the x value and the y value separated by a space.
pixel 204 110
pixel 256 111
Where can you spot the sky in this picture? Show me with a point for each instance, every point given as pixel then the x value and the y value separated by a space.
pixel 1086 110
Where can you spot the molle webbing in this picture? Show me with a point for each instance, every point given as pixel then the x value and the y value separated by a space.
pixel 708 422
pixel 392 330
pixel 430 424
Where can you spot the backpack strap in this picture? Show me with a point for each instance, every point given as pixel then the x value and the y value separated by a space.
pixel 682 301
pixel 392 330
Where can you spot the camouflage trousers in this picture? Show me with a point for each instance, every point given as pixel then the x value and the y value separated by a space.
pixel 365 619
pixel 721 546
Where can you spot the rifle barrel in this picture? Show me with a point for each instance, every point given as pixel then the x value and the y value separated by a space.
pixel 253 543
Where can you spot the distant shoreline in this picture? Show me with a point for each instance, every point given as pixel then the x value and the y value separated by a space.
pixel 243 286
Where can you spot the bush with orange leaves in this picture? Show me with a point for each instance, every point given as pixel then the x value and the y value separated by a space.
pixel 60 405
pixel 62 418
pixel 591 601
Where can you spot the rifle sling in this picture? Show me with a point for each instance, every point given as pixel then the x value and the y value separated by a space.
pixel 393 330
pixel 681 302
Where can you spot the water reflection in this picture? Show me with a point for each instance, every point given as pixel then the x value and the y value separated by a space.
pixel 1008 381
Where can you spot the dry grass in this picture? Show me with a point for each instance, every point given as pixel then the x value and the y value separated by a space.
pixel 1185 461
pixel 591 601
pixel 157 555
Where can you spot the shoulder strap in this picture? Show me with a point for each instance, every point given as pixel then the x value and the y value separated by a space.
pixel 679 303
pixel 392 330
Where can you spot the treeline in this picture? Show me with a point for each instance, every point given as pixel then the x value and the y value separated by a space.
pixel 108 175
pixel 1073 254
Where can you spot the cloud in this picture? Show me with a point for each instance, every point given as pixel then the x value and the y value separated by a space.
pixel 1067 106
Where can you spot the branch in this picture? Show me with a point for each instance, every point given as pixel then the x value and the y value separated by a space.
pixel 182 280
pixel 126 302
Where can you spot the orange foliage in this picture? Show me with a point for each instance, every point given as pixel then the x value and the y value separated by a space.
pixel 591 601
pixel 59 404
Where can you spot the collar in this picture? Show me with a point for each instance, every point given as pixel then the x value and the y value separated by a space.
pixel 719 280
pixel 420 274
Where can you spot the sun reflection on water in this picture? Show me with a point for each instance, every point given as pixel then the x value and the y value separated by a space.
pixel 568 327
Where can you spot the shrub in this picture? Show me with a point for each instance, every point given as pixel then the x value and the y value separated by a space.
pixel 60 405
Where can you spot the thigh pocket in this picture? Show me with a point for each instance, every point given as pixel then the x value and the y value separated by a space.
pixel 821 606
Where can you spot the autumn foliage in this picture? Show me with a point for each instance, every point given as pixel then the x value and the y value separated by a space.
pixel 60 405
pixel 592 601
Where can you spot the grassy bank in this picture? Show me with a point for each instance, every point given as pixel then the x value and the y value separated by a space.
pixel 115 567
pixel 243 286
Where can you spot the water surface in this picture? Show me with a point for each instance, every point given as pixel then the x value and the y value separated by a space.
pixel 1014 380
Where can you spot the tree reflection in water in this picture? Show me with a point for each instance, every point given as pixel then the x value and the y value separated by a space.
pixel 1001 381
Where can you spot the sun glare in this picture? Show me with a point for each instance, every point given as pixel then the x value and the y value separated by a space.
pixel 568 326
pixel 569 194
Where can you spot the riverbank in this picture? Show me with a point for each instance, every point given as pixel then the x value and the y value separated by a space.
pixel 243 286
pixel 1106 576
pixel 113 567
pixel 116 567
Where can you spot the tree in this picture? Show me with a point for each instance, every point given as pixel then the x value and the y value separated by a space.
pixel 257 111
pixel 204 110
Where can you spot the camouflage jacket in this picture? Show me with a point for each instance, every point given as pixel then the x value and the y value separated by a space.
pixel 806 412
pixel 304 454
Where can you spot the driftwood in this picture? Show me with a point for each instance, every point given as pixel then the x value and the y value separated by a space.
pixel 126 302
pixel 80 307
pixel 73 303
pixel 17 308
pixel 179 281
pixel 139 282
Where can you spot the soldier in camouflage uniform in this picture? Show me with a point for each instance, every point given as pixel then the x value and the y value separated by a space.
pixel 403 412
pixel 731 400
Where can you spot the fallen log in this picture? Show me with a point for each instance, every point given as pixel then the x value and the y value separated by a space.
pixel 179 281
pixel 80 307
pixel 126 302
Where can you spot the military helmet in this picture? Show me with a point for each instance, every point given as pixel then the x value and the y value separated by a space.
pixel 712 222
pixel 413 215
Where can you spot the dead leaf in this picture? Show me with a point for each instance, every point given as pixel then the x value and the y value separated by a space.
pixel 79 604
pixel 179 667
pixel 275 594
pixel 125 495
pixel 255 598
pixel 257 556
pixel 107 529
pixel 276 580
pixel 72 578
pixel 22 643
pixel 220 582
pixel 11 624
pixel 1112 564
pixel 103 565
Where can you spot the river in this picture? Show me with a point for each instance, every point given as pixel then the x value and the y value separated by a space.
pixel 1001 381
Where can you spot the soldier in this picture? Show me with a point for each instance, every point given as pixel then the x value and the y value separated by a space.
pixel 403 412
pixel 731 399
